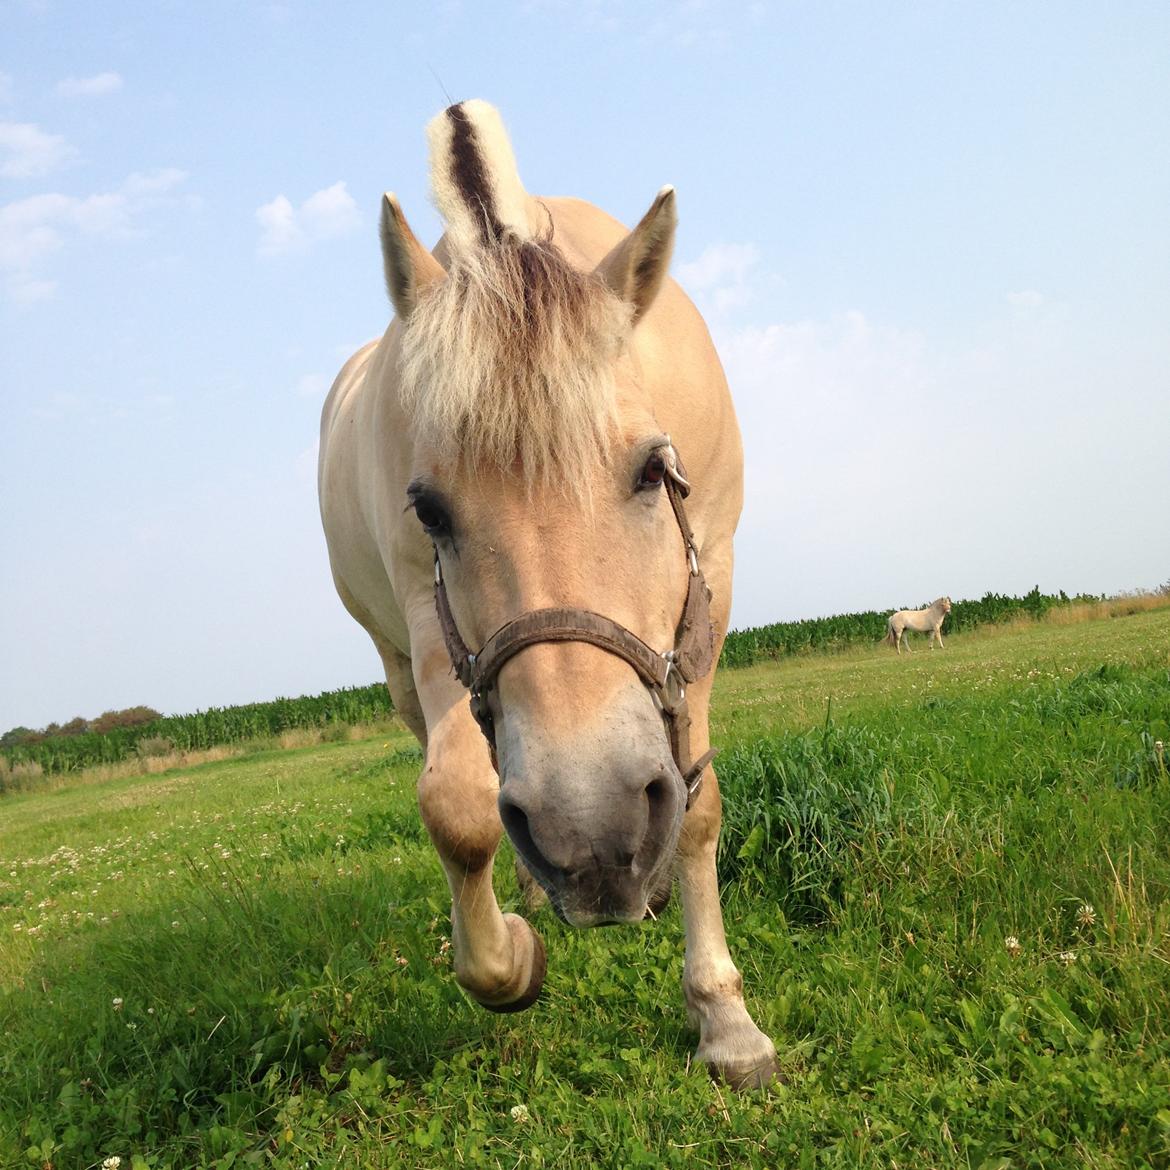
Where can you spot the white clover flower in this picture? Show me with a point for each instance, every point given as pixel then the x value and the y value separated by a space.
pixel 519 1113
pixel 1086 915
pixel 1067 957
pixel 117 1001
pixel 112 1162
pixel 1012 945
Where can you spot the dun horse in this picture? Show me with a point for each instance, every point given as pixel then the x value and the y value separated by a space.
pixel 507 512
pixel 924 621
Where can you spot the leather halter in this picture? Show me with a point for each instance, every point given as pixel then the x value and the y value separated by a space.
pixel 667 675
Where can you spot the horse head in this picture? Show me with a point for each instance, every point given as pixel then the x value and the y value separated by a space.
pixel 540 474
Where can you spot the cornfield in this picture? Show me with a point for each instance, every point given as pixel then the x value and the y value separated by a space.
pixel 211 728
pixel 782 639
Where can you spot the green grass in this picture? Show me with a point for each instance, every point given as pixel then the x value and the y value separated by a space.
pixel 246 963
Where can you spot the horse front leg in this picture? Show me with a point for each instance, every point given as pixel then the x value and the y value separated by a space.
pixel 730 1044
pixel 499 959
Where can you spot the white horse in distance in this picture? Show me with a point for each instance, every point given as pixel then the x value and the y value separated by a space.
pixel 924 621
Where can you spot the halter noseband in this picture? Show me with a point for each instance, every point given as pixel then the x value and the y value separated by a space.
pixel 666 675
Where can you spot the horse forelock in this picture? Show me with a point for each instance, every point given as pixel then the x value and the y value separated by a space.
pixel 509 361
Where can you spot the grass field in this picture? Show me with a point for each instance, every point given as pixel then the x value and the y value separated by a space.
pixel 947 883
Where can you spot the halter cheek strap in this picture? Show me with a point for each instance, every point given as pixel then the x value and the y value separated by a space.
pixel 666 675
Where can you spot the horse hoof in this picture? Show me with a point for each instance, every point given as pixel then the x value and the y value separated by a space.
pixel 523 936
pixel 747 1066
pixel 742 1077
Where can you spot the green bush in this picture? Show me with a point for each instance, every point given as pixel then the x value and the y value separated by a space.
pixel 795 809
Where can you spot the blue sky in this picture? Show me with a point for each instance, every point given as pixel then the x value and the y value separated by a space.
pixel 932 241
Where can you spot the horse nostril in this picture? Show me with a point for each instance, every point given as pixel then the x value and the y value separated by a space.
pixel 657 790
pixel 661 808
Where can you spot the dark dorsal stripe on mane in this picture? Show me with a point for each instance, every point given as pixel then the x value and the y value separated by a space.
pixel 470 174
pixel 507 362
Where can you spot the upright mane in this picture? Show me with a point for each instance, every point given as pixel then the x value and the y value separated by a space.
pixel 507 362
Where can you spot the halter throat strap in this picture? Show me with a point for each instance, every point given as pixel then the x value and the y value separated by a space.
pixel 666 675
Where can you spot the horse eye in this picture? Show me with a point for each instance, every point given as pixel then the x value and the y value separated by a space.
pixel 430 515
pixel 653 473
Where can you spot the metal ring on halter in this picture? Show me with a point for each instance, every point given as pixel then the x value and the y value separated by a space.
pixel 673 691
pixel 674 470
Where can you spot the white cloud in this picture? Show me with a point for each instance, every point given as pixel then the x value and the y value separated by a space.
pixel 884 467
pixel 1025 300
pixel 305 464
pixel 720 277
pixel 144 184
pixel 27 151
pixel 816 378
pixel 96 86
pixel 279 228
pixel 718 264
pixel 832 413
pixel 312 386
pixel 331 212
pixel 326 214
pixel 25 289
pixel 30 229
pixel 33 229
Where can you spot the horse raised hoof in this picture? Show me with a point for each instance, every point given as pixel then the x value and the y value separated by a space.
pixel 532 963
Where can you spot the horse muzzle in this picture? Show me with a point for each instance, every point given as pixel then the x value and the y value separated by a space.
pixel 600 838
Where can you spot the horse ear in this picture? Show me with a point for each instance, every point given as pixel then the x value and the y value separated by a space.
pixel 636 267
pixel 410 268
